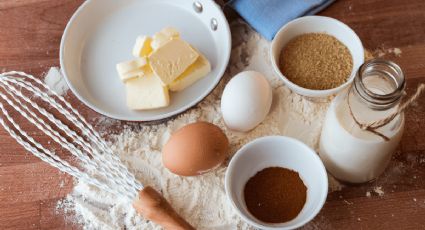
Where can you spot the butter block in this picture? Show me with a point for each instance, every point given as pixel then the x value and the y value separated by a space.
pixel 165 35
pixel 142 48
pixel 146 92
pixel 193 73
pixel 132 69
pixel 172 59
pixel 158 40
pixel 170 32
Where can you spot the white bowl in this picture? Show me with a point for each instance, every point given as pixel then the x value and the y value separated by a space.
pixel 317 24
pixel 277 151
pixel 102 33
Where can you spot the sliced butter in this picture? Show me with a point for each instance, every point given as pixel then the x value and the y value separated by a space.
pixel 172 59
pixel 165 35
pixel 171 32
pixel 146 92
pixel 159 39
pixel 132 69
pixel 142 48
pixel 195 72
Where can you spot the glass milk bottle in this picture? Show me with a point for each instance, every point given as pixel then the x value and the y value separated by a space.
pixel 349 152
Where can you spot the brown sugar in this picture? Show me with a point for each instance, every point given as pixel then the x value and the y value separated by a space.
pixel 275 195
pixel 316 61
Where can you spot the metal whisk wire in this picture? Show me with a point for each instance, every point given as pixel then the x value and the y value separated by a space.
pixel 88 147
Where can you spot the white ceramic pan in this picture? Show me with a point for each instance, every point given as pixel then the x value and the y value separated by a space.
pixel 102 33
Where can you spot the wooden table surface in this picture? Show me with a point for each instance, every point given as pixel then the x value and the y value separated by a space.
pixel 30 33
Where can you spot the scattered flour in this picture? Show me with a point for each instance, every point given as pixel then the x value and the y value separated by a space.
pixel 201 200
pixel 368 194
pixel 382 52
pixel 56 81
pixel 378 190
pixel 396 51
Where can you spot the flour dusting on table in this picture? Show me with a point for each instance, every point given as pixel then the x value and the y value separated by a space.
pixel 56 81
pixel 202 199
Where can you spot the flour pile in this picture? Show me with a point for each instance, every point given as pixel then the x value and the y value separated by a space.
pixel 202 199
pixel 56 81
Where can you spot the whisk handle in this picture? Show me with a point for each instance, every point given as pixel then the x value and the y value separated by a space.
pixel 153 206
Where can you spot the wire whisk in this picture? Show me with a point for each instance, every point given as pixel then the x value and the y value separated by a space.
pixel 22 96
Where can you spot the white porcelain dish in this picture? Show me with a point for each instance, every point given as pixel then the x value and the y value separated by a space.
pixel 102 33
pixel 317 24
pixel 277 151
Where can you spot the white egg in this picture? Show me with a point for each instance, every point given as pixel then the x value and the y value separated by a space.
pixel 246 101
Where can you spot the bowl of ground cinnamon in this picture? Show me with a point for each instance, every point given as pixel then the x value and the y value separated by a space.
pixel 316 56
pixel 276 182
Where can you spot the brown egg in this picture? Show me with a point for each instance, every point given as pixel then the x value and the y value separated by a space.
pixel 195 149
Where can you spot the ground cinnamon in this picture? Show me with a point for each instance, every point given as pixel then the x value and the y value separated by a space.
pixel 275 195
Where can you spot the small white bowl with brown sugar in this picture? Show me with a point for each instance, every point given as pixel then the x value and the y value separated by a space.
pixel 316 56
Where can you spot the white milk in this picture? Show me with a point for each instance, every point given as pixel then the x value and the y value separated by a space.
pixel 350 153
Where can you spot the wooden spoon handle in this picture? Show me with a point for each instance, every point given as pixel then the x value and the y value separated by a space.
pixel 153 206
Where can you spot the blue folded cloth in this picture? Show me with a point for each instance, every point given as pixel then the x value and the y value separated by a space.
pixel 268 16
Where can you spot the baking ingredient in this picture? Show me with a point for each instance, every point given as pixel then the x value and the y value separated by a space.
pixel 145 44
pixel 316 61
pixel 142 48
pixel 132 69
pixel 201 200
pixel 159 39
pixel 349 152
pixel 170 32
pixel 56 81
pixel 164 36
pixel 275 195
pixel 170 60
pixel 195 149
pixel 146 92
pixel 246 101
pixel 381 52
pixel 363 156
pixel 195 72
pixel 166 57
pixel 378 190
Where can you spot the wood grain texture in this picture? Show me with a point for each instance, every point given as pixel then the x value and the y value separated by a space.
pixel 30 33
